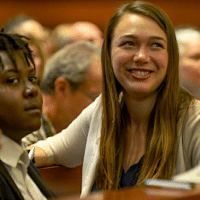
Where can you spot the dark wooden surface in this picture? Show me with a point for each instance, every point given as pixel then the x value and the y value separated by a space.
pixel 66 184
pixel 143 193
pixel 62 181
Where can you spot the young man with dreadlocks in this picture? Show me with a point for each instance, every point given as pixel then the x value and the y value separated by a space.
pixel 20 114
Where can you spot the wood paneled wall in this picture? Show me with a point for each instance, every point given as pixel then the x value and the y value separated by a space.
pixel 50 13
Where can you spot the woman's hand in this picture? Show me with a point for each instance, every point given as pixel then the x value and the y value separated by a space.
pixel 40 156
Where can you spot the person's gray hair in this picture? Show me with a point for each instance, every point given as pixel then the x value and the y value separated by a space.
pixel 70 62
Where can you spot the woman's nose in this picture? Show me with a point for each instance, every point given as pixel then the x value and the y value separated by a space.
pixel 141 55
pixel 30 90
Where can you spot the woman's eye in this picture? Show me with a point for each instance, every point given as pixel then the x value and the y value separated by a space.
pixel 158 45
pixel 127 43
pixel 13 80
pixel 195 57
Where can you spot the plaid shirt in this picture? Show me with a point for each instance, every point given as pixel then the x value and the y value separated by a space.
pixel 46 130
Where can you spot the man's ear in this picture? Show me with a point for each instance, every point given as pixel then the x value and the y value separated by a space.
pixel 61 86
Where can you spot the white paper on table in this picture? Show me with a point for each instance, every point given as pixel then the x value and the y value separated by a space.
pixel 192 176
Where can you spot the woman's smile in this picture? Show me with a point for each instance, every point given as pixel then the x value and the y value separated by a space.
pixel 140 74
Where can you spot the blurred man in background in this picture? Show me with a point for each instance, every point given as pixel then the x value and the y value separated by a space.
pixel 188 39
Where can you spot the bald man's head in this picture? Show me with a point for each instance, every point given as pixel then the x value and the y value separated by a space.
pixel 188 39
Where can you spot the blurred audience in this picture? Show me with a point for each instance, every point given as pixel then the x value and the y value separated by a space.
pixel 65 34
pixel 60 36
pixel 40 40
pixel 28 26
pixel 38 58
pixel 188 38
pixel 71 81
pixel 87 31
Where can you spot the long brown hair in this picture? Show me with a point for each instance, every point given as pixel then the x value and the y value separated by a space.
pixel 160 154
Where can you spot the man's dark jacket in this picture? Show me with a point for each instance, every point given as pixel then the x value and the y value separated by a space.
pixel 9 190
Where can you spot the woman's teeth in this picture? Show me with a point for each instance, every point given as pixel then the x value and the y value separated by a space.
pixel 142 73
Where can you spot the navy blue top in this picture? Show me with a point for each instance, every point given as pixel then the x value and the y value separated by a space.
pixel 129 178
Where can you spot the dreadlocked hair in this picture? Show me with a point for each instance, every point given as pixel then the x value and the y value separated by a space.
pixel 10 42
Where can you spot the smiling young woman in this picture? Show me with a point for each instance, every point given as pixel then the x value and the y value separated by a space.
pixel 140 64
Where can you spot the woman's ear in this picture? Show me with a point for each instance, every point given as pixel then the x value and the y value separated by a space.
pixel 61 86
